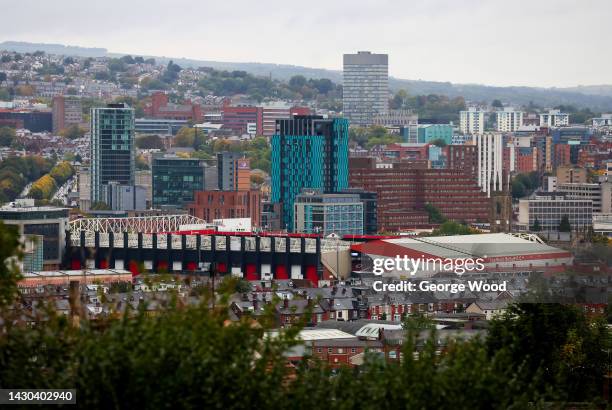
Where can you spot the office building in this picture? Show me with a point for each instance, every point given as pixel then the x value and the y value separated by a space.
pixel 84 187
pixel 161 107
pixel 270 216
pixel 158 126
pixel 35 121
pixel 175 179
pixel 549 210
pixel 404 191
pixel 472 121
pixel 370 209
pixel 145 180
pixel 509 120
pixel 571 175
pixel 67 111
pixel 600 194
pixel 275 111
pixel 124 197
pixel 432 132
pixel 554 118
pixel 233 171
pixel 365 87
pixel 308 152
pixel 211 205
pixel 604 121
pixel 46 221
pixel 243 119
pixel 112 148
pixel 327 214
pixel 33 256
pixel 396 118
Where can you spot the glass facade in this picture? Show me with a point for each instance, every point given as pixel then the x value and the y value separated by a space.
pixel 175 180
pixel 549 212
pixel 308 152
pixel 112 148
pixel 340 214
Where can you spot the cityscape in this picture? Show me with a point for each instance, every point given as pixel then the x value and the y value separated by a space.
pixel 190 233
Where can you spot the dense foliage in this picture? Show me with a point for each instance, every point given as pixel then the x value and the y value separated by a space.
pixel 440 107
pixel 524 184
pixel 45 186
pixel 17 172
pixel 368 137
pixel 9 274
pixel 193 357
pixel 229 83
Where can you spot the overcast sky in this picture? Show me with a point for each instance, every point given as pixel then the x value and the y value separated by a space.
pixel 496 42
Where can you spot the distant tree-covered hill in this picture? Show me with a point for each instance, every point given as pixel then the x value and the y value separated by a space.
pixel 597 98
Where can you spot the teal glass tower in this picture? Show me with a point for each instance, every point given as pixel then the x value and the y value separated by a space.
pixel 112 148
pixel 308 152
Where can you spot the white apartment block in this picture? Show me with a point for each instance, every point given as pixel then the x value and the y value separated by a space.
pixel 472 121
pixel 554 118
pixel 604 121
pixel 509 120
pixel 491 161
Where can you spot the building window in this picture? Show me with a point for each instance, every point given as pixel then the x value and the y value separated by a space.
pixel 330 350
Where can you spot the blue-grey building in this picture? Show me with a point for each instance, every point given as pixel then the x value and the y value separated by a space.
pixel 337 213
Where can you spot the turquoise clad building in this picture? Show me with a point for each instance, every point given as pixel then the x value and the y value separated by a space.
pixel 431 132
pixel 307 152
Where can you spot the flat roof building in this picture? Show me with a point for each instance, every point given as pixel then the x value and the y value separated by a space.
pixel 338 213
pixel 47 221
pixel 365 87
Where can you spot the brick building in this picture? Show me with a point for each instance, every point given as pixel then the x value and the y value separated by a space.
pixel 238 118
pixel 210 205
pixel 404 191
pixel 526 159
pixel 66 112
pixel 161 107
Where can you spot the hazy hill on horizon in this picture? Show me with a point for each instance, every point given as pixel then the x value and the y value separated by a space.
pixel 595 97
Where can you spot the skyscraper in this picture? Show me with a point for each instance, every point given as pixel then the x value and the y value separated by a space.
pixel 308 152
pixel 365 87
pixel 112 148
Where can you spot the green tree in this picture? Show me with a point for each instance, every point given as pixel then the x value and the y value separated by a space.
pixel 7 136
pixel 439 142
pixel 435 216
pixel 149 142
pixel 536 226
pixel 450 228
pixel 556 341
pixel 73 132
pixel 564 225
pixel 100 206
pixel 10 250
pixel 497 104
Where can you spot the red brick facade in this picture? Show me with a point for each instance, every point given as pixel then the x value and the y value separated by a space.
pixel 210 205
pixel 403 193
